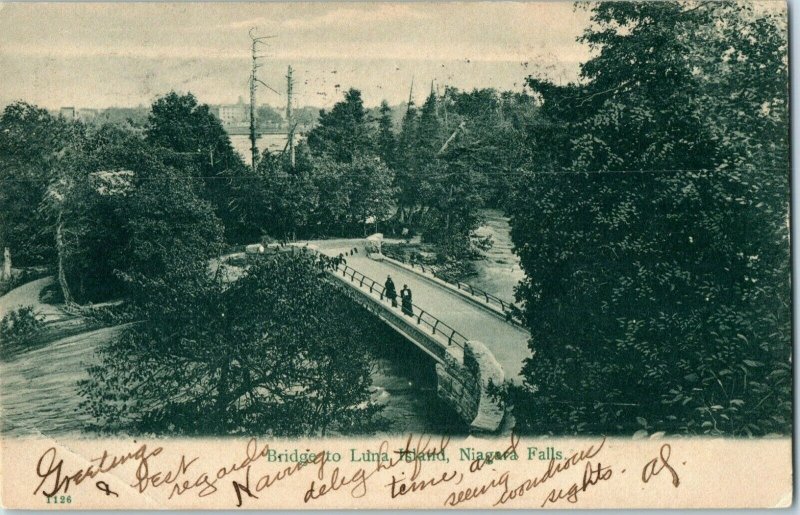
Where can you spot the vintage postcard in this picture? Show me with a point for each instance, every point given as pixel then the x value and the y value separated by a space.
pixel 395 255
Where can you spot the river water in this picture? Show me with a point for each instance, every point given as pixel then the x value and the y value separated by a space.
pixel 404 384
pixel 271 142
pixel 499 272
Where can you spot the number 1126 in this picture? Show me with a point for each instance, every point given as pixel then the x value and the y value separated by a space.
pixel 59 499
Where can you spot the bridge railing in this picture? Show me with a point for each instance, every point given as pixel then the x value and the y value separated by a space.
pixel 420 316
pixel 510 309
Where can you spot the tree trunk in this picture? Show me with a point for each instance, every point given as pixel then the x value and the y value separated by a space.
pixel 223 395
pixel 6 264
pixel 62 276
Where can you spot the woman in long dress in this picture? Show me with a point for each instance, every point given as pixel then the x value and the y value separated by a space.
pixel 405 298
pixel 390 291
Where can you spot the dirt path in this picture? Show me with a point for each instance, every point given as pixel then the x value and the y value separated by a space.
pixel 39 387
pixel 28 295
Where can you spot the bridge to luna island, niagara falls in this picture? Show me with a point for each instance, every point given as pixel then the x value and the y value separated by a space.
pixel 471 335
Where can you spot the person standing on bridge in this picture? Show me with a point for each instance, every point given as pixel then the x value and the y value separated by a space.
pixel 391 292
pixel 405 300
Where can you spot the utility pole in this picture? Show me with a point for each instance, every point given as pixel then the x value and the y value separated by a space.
pixel 253 146
pixel 289 115
pixel 444 106
pixel 254 81
pixel 410 95
pixel 435 95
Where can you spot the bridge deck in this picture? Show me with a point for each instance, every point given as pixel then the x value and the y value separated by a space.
pixel 508 343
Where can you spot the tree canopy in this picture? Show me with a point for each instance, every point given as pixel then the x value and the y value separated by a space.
pixel 202 147
pixel 343 132
pixel 32 146
pixel 656 216
pixel 261 355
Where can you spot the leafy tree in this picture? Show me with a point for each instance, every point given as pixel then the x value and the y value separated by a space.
pixel 406 168
pixel 371 191
pixel 201 145
pixel 452 192
pixel 96 182
pixel 32 143
pixel 656 216
pixel 180 123
pixel 479 140
pixel 386 138
pixel 494 127
pixel 352 193
pixel 169 227
pixel 344 132
pixel 284 198
pixel 408 133
pixel 274 352
pixel 441 183
pixel 120 210
pixel 267 116
pixel 430 135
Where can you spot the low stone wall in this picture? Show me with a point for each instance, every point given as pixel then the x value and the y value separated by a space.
pixel 458 387
pixel 464 387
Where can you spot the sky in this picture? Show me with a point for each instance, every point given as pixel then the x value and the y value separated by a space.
pixel 101 54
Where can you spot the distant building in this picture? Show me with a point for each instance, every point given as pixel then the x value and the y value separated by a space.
pixel 83 114
pixel 87 115
pixel 67 112
pixel 234 115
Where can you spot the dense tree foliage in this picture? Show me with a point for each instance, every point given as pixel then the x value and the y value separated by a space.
pixel 98 202
pixel 121 210
pixel 353 194
pixel 180 123
pixel 387 142
pixel 283 199
pixel 339 183
pixel 653 229
pixel 458 153
pixel 136 216
pixel 495 132
pixel 343 133
pixel 32 146
pixel 261 355
pixel 453 156
pixel 201 145
pixel 405 166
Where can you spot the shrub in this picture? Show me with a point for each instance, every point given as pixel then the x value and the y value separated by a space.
pixel 18 330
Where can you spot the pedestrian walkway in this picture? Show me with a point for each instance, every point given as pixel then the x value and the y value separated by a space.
pixel 508 342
